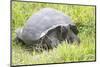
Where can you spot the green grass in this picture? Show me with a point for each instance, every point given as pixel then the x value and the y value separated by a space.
pixel 82 16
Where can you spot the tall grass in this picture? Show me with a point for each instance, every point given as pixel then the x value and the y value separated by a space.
pixel 82 16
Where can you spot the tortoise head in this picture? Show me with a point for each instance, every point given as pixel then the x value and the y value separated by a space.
pixel 66 33
pixel 72 35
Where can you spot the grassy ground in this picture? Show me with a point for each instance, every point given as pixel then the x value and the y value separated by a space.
pixel 82 16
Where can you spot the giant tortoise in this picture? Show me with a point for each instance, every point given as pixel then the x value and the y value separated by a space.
pixel 47 28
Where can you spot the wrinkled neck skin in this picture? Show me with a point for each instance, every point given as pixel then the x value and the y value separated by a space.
pixel 72 37
pixel 66 33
